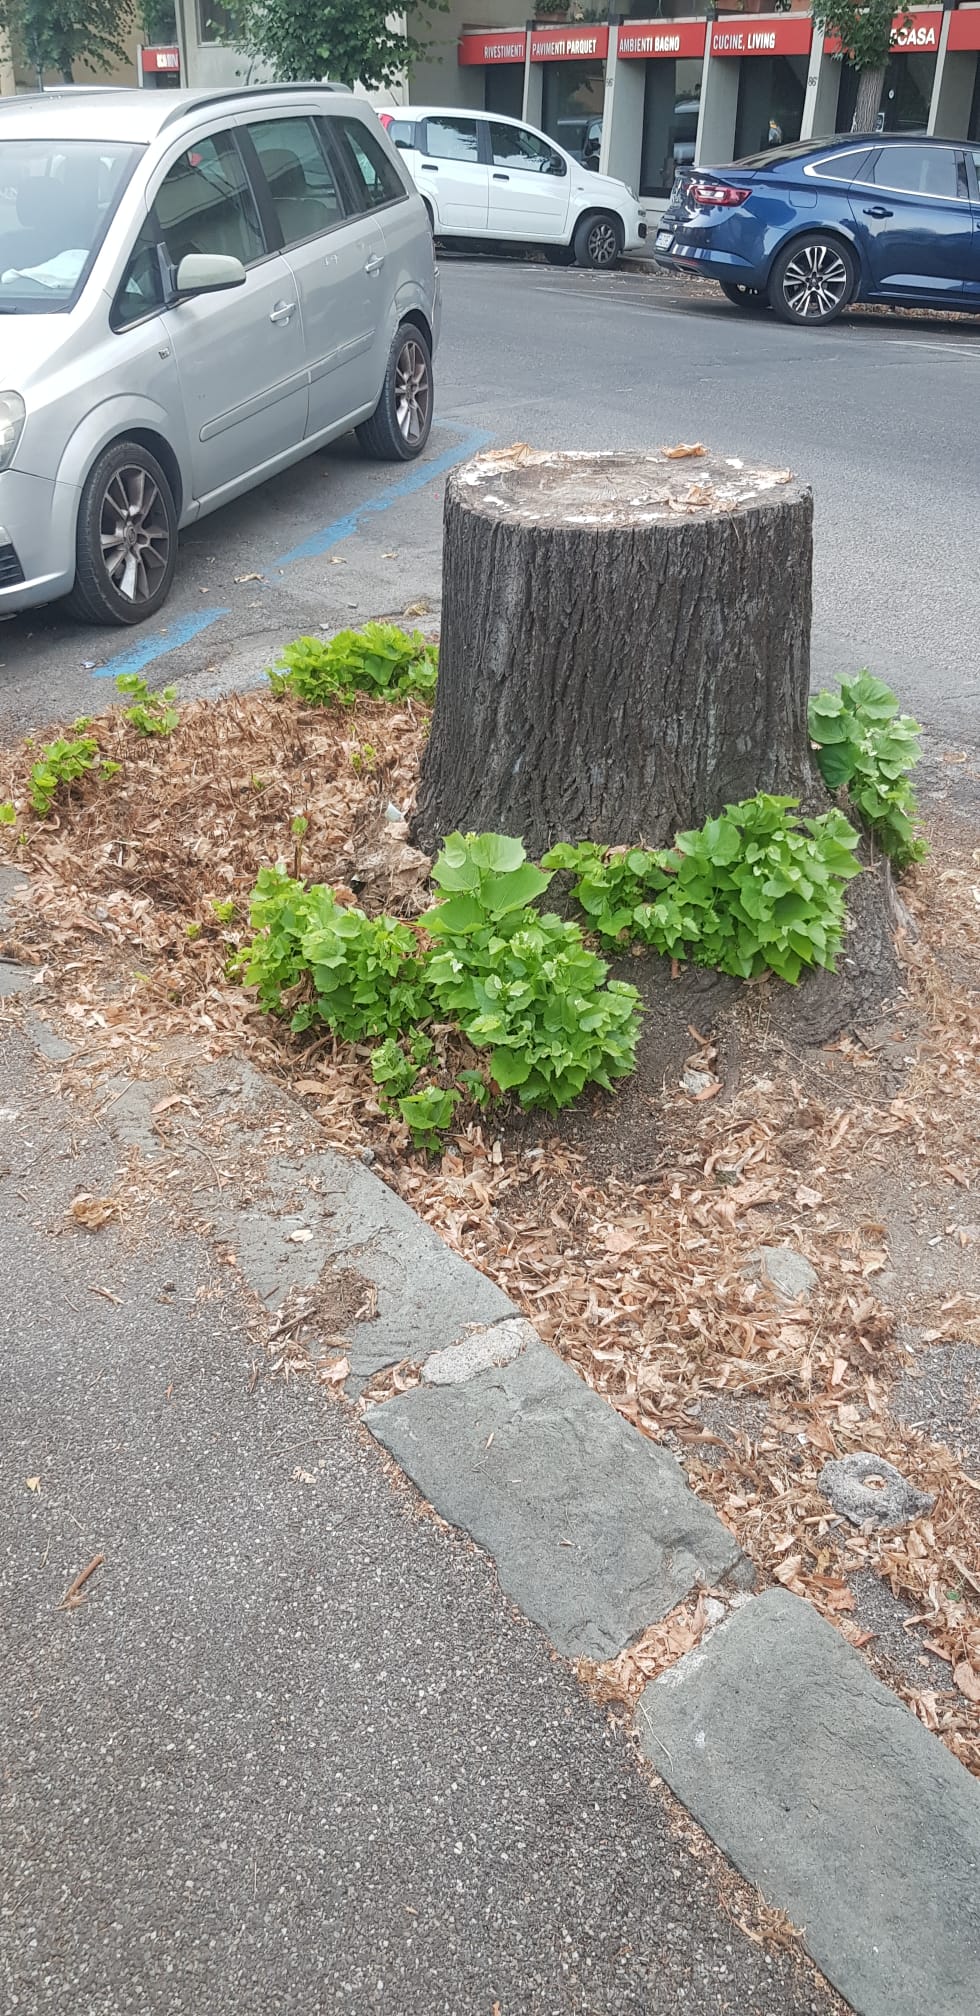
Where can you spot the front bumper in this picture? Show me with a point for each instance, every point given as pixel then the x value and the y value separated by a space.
pixel 37 539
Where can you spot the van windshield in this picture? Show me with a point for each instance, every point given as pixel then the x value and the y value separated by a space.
pixel 56 200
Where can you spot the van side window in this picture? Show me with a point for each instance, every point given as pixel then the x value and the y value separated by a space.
pixel 205 204
pixel 375 179
pixel 141 288
pixel 300 182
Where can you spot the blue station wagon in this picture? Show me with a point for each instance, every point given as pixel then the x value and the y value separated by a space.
pixel 810 228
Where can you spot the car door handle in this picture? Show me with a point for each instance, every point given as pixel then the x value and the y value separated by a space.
pixel 375 263
pixel 501 178
pixel 878 210
pixel 428 168
pixel 282 313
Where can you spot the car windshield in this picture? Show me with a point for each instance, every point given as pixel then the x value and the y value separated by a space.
pixel 56 200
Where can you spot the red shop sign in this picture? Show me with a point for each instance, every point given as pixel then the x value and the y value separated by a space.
pixel 507 45
pixel 779 35
pixel 568 45
pixel 644 39
pixel 161 59
pixel 914 32
pixel 964 28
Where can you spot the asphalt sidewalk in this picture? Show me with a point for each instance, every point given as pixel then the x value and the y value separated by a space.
pixel 294 1750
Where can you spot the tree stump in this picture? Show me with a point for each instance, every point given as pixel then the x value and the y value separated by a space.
pixel 625 646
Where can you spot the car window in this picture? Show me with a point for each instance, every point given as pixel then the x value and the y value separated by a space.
pixel 516 147
pixel 448 139
pixel 975 151
pixel 848 167
pixel 299 179
pixel 373 177
pixel 141 288
pixel 401 132
pixel 204 204
pixel 917 171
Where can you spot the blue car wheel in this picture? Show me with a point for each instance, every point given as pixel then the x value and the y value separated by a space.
pixel 812 280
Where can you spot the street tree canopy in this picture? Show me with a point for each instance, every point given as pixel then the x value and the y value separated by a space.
pixel 349 41
pixel 865 30
pixel 57 34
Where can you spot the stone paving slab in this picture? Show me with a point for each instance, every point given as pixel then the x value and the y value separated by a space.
pixel 593 1529
pixel 829 1794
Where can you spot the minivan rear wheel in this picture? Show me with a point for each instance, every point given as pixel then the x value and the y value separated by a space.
pixel 401 422
pixel 126 538
pixel 812 281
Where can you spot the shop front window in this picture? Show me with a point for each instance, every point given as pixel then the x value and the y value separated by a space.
pixel 973 130
pixel 503 89
pixel 905 99
pixel 572 108
pixel 771 91
pixel 671 102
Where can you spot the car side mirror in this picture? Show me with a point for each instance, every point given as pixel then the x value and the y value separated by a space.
pixel 208 273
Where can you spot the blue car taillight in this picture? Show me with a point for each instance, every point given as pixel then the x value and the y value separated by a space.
pixel 716 195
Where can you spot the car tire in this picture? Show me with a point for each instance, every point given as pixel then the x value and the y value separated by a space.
pixel 598 242
pixel 125 540
pixel 560 255
pixel 749 299
pixel 812 281
pixel 401 422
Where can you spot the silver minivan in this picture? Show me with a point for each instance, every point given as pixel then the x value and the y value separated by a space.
pixel 198 288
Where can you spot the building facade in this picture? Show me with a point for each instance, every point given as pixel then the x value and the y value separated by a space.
pixel 639 98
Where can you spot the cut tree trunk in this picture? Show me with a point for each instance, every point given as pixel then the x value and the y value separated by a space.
pixel 625 647
pixel 868 101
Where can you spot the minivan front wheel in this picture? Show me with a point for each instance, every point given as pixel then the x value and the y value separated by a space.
pixel 401 422
pixel 598 242
pixel 812 281
pixel 126 538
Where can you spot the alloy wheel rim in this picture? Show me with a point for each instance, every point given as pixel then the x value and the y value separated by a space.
pixel 413 392
pixel 815 282
pixel 602 243
pixel 134 534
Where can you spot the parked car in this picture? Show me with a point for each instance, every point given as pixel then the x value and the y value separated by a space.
pixel 201 287
pixel 485 178
pixel 807 229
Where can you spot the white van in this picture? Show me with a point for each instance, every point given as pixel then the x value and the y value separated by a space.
pixel 486 177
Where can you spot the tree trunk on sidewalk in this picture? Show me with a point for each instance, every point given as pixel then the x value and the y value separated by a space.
pixel 625 647
pixel 868 103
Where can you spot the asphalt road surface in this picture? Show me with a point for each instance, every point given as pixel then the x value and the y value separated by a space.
pixel 876 412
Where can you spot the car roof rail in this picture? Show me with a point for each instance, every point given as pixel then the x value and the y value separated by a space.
pixel 245 92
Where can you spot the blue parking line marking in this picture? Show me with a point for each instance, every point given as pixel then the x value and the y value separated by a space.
pixel 406 486
pixel 177 633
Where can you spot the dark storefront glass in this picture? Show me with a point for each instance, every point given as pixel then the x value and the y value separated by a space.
pixel 905 99
pixel 973 131
pixel 503 89
pixel 572 104
pixel 771 90
pixel 671 100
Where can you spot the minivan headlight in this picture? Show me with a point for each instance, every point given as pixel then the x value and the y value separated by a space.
pixel 13 413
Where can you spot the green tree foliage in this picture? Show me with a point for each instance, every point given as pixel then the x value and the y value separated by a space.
pixel 57 34
pixel 349 41
pixel 865 30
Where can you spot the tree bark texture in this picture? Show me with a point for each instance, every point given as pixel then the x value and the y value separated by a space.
pixel 625 646
pixel 868 102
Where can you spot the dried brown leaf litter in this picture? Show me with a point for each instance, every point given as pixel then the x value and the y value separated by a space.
pixel 646 1279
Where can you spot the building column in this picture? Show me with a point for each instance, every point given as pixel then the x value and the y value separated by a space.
pixel 719 107
pixel 952 88
pixel 822 92
pixel 533 105
pixel 622 115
